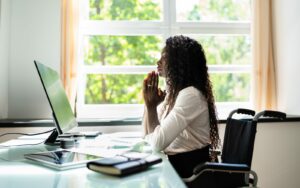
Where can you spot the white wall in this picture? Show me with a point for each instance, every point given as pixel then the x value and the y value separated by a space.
pixel 286 27
pixel 276 157
pixel 4 55
pixel 35 35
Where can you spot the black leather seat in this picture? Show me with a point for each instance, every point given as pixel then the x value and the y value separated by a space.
pixel 234 170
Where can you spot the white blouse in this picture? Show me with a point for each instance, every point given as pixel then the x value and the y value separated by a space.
pixel 186 127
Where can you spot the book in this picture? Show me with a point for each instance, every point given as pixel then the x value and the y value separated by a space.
pixel 121 166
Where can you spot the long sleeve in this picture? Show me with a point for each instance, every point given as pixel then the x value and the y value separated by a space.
pixel 188 108
pixel 145 122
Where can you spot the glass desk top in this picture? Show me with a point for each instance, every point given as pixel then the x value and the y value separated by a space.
pixel 15 171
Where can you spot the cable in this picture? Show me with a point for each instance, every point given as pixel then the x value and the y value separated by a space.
pixel 28 134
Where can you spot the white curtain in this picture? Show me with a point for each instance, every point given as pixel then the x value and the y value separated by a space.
pixel 264 93
pixel 69 43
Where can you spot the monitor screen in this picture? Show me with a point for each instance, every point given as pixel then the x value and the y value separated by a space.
pixel 61 108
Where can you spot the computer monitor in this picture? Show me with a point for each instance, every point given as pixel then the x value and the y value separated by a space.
pixel 61 109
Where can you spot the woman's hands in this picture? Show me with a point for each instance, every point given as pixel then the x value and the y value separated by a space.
pixel 152 97
pixel 151 93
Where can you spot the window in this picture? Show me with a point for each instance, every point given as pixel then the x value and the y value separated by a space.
pixel 121 40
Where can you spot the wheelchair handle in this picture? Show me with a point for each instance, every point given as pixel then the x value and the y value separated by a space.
pixel 242 111
pixel 270 113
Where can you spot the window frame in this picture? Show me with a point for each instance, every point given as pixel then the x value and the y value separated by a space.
pixel 168 26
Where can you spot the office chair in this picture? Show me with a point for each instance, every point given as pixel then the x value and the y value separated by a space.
pixel 234 170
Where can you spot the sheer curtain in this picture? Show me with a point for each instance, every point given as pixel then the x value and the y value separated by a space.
pixel 264 93
pixel 69 43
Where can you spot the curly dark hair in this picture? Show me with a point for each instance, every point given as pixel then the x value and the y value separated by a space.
pixel 186 66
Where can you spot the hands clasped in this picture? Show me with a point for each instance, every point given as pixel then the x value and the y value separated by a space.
pixel 151 93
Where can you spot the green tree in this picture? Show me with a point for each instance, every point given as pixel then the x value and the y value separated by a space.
pixel 120 50
pixel 226 49
pixel 143 50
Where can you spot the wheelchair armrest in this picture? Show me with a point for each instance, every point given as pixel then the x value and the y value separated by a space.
pixel 230 167
pixel 270 113
pixel 242 111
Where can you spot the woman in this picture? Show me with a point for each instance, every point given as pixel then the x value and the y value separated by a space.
pixel 181 121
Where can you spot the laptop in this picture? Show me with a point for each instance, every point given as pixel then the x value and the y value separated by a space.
pixel 63 115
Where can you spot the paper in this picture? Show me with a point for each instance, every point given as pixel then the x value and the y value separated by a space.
pixel 19 142
pixel 110 145
pixel 101 152
pixel 126 135
pixel 120 139
pixel 35 137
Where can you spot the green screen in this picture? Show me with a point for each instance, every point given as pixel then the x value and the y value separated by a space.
pixel 57 98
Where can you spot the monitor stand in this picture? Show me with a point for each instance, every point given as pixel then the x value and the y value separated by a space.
pixel 55 137
pixel 51 140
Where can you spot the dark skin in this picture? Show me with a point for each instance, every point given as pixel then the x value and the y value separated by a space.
pixel 153 96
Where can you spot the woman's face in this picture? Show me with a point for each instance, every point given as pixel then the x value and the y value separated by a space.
pixel 161 64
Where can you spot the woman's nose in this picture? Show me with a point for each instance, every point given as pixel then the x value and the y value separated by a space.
pixel 158 62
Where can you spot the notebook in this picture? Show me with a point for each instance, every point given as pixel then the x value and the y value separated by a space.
pixel 63 115
pixel 122 166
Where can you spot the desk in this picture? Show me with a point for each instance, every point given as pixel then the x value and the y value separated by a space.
pixel 15 171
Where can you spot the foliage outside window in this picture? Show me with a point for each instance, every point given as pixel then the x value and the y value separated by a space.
pixel 121 42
